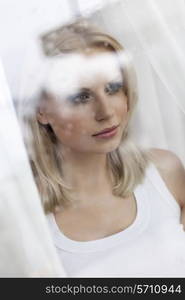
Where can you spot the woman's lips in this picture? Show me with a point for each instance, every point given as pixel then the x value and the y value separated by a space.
pixel 107 134
pixel 105 130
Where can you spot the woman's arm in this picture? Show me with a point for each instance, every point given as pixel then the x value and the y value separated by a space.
pixel 172 171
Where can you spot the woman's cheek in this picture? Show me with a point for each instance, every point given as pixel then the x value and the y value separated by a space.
pixel 122 109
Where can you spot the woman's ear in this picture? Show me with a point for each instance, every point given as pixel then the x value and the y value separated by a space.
pixel 42 109
pixel 42 117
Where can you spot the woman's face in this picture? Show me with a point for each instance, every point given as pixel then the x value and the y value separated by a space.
pixel 85 96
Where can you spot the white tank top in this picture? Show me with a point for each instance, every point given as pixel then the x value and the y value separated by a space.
pixel 152 246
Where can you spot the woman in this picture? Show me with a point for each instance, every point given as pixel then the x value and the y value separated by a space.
pixel 113 208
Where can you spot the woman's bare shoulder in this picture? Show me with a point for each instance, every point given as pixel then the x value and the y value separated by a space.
pixel 172 171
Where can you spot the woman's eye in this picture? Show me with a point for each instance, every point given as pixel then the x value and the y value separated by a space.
pixel 80 98
pixel 113 87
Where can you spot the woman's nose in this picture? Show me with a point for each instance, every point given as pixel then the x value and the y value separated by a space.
pixel 103 109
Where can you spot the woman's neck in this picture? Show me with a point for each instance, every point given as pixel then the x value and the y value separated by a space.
pixel 88 174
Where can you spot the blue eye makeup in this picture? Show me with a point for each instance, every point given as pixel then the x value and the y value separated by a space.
pixel 81 97
pixel 113 87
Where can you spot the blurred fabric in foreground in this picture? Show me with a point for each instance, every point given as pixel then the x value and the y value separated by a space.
pixel 26 249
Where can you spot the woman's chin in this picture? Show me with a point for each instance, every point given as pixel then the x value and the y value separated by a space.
pixel 109 149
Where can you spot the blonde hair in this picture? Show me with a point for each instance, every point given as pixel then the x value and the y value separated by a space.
pixel 127 163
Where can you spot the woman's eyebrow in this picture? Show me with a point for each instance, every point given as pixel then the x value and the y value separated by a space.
pixel 116 79
pixel 77 90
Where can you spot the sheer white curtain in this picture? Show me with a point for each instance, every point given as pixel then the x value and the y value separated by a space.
pixel 153 31
pixel 26 248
